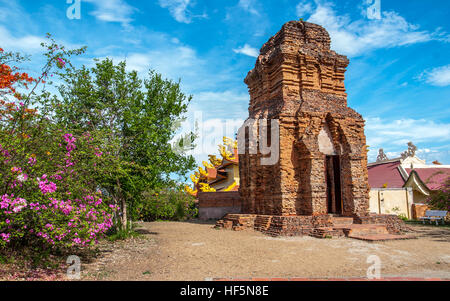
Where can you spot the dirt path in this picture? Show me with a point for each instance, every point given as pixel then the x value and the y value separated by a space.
pixel 196 251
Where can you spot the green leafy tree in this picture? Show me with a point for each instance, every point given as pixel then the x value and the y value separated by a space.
pixel 138 120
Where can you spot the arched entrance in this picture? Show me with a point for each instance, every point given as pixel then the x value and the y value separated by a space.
pixel 332 170
pixel 333 181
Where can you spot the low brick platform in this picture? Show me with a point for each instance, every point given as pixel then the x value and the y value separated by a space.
pixel 359 229
pixel 381 237
pixel 323 226
pixel 392 222
pixel 275 225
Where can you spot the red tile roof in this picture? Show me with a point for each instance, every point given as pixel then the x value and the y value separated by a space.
pixel 385 173
pixel 388 173
pixel 434 178
pixel 212 173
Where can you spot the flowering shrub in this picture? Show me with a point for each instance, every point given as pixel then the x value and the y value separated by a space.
pixel 49 189
pixel 440 200
pixel 47 199
pixel 67 161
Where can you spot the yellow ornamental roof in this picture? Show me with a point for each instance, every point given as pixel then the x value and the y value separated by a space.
pixel 207 165
pixel 203 172
pixel 226 154
pixel 230 142
pixel 214 161
pixel 204 187
pixel 227 151
pixel 190 191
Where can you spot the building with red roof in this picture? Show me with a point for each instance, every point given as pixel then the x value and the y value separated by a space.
pixel 402 185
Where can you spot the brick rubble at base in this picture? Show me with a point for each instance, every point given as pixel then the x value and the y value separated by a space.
pixel 320 226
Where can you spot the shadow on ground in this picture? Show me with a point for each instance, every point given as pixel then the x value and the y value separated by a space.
pixel 145 232
pixel 202 222
pixel 432 232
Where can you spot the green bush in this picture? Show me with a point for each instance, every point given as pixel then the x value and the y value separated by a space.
pixel 167 204
pixel 403 217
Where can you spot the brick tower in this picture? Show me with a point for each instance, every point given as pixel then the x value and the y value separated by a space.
pixel 322 166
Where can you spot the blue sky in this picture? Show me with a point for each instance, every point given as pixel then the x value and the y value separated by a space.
pixel 398 77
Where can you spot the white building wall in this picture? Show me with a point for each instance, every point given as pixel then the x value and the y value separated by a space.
pixel 391 201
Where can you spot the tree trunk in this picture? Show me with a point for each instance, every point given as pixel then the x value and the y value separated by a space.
pixel 124 214
pixel 123 207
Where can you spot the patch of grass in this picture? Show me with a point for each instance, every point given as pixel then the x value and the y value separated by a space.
pixel 123 235
pixel 117 232
pixel 6 259
pixel 146 273
pixel 99 275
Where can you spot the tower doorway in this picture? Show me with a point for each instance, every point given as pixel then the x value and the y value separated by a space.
pixel 333 181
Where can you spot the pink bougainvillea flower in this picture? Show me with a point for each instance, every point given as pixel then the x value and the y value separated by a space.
pixel 32 160
pixel 5 236
pixel 60 63
pixel 22 178
pixel 19 204
pixel 47 187
pixel 16 169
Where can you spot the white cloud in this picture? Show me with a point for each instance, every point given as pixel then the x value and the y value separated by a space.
pixel 225 96
pixel 248 5
pixel 210 134
pixel 399 131
pixel 393 135
pixel 137 62
pixel 172 62
pixel 113 11
pixel 179 10
pixel 355 37
pixel 439 76
pixel 247 50
pixel 304 7
pixel 28 43
pixel 215 114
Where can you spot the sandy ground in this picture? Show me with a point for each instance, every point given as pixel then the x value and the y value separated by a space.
pixel 196 251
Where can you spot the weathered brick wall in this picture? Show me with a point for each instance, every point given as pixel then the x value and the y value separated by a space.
pixel 298 80
pixel 392 222
pixel 214 205
pixel 275 225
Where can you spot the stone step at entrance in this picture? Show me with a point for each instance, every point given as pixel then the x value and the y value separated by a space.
pixel 381 237
pixel 370 232
pixel 262 222
pixel 326 232
pixel 344 226
pixel 339 220
pixel 224 224
pixel 360 229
